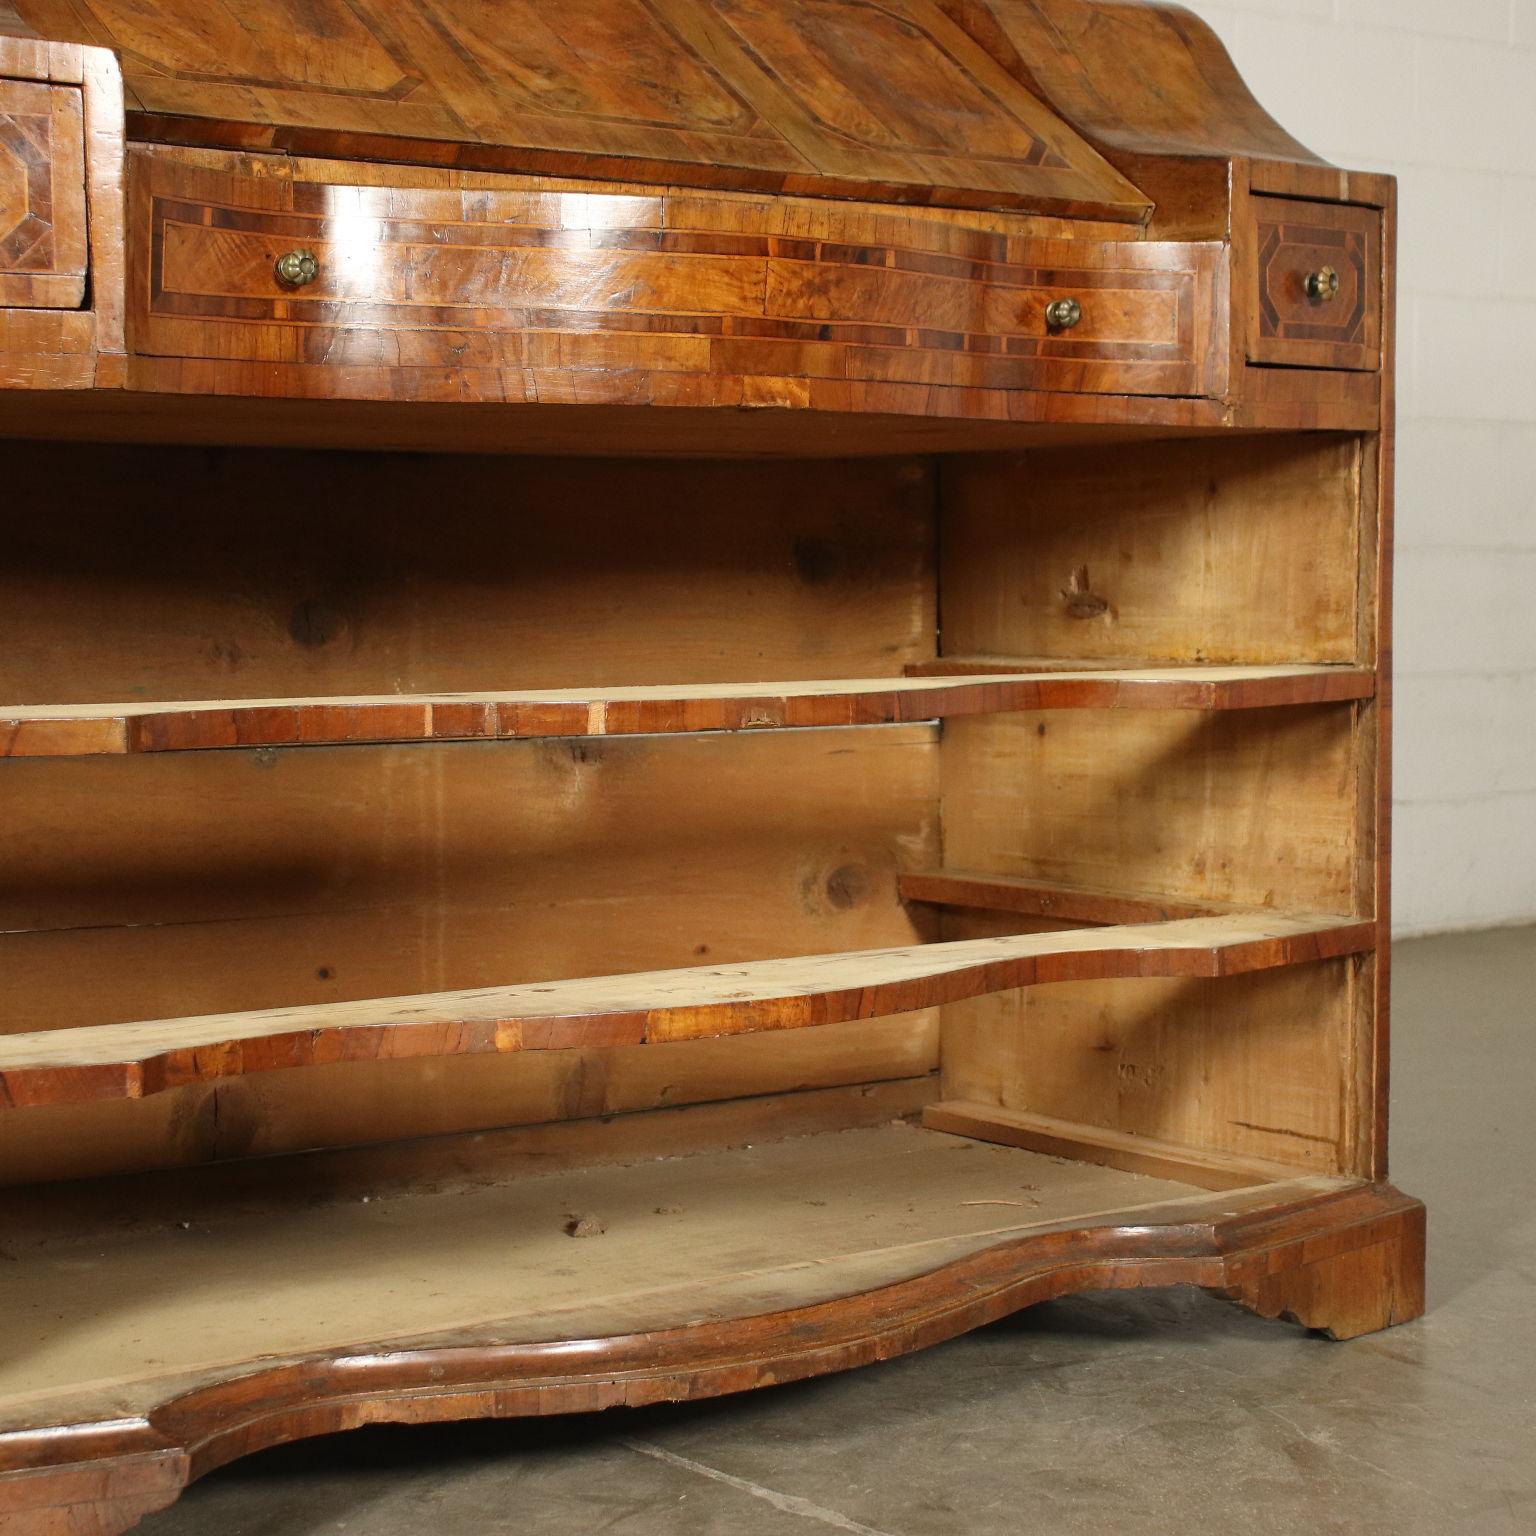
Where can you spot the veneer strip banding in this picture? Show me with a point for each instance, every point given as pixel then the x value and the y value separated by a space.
pixel 67 730
pixel 134 1060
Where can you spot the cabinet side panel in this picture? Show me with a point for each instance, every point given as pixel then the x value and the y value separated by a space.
pixel 1245 550
pixel 1378 513
pixel 1251 807
pixel 1251 1066
pixel 1225 550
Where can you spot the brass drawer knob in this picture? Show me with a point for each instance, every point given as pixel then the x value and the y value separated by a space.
pixel 296 269
pixel 1063 314
pixel 1323 285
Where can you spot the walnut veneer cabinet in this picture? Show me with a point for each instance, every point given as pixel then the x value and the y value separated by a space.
pixel 692 691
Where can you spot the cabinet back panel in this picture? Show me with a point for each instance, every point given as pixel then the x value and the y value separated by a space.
pixel 158 887
pixel 743 828
pixel 179 573
pixel 360 1102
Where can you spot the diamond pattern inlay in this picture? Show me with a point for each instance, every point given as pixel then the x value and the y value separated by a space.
pixel 42 195
pixel 26 194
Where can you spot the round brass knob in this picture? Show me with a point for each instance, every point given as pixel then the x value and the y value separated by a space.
pixel 1063 314
pixel 296 269
pixel 1323 285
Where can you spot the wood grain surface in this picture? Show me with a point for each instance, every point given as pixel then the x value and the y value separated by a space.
pixel 198 883
pixel 1245 1069
pixel 1235 550
pixel 1104 1147
pixel 1145 78
pixel 319 576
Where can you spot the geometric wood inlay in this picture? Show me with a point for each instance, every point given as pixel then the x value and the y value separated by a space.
pixel 894 101
pixel 1295 239
pixel 42 196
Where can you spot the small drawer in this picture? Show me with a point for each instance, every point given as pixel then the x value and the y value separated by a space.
pixel 42 196
pixel 1317 292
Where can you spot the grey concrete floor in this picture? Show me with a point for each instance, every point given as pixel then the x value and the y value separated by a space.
pixel 1156 1412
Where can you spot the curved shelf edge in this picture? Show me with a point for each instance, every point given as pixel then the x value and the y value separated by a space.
pixel 1343 1258
pixel 80 730
pixel 134 1060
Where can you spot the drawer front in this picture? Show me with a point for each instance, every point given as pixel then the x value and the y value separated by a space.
pixel 42 196
pixel 442 279
pixel 1318 287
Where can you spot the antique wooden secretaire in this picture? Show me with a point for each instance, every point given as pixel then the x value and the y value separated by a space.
pixel 692 691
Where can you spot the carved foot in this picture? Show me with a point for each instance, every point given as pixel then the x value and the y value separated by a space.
pixel 74 1520
pixel 86 1499
pixel 1351 1281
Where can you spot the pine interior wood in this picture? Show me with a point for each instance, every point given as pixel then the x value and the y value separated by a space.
pixel 1228 1066
pixel 1231 550
pixel 85 730
pixel 1192 782
pixel 853 1246
pixel 767 1084
pixel 216 882
pixel 532 572
pixel 132 1060
pixel 948 363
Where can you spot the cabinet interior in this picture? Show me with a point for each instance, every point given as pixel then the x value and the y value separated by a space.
pixel 221 881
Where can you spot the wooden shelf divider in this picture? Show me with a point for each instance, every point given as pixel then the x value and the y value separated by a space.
pixel 71 730
pixel 967 890
pixel 1108 1148
pixel 132 1060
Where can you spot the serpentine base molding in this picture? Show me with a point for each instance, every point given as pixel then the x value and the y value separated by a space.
pixel 1342 1257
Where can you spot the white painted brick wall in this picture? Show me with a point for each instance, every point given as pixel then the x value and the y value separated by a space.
pixel 1443 94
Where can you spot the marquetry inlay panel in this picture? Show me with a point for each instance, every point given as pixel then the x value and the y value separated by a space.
pixel 42 196
pixel 837 97
pixel 1294 241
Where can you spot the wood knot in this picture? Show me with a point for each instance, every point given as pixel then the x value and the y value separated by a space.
pixel 847 887
pixel 315 624
pixel 1082 602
